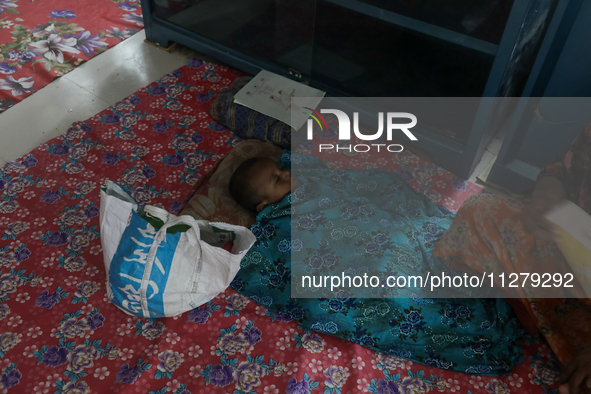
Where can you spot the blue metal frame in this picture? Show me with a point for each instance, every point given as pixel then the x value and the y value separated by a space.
pixel 508 171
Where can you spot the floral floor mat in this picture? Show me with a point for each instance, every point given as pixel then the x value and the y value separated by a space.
pixel 58 332
pixel 43 39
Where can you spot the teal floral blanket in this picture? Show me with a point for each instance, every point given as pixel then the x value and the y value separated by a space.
pixel 383 228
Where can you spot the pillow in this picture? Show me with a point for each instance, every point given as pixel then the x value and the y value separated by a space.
pixel 248 123
pixel 212 200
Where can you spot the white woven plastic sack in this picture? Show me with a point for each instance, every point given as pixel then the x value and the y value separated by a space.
pixel 154 273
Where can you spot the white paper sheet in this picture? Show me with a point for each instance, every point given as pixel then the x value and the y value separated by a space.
pixel 276 96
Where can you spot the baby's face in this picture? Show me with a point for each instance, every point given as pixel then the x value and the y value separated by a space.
pixel 272 182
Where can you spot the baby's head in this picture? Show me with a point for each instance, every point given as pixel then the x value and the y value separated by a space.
pixel 259 182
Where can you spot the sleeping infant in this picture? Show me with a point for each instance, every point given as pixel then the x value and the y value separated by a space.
pixel 259 182
pixel 331 250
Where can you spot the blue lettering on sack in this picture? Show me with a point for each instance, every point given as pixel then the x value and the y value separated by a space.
pixel 160 272
pixel 128 266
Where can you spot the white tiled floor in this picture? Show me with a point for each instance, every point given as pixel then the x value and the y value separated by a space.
pixel 85 91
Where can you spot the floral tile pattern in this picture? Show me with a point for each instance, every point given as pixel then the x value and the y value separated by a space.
pixel 58 332
pixel 44 39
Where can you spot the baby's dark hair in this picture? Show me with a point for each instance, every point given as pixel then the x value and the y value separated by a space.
pixel 241 187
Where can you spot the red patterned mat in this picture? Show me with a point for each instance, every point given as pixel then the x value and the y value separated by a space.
pixel 43 39
pixel 58 332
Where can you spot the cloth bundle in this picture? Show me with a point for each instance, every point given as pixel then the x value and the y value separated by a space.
pixel 248 123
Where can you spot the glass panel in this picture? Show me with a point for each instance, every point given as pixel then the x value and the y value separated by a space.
pixel 373 48
pixel 367 56
pixel 278 31
pixel 482 19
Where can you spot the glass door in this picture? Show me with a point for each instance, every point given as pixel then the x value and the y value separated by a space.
pixel 277 31
pixel 408 48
